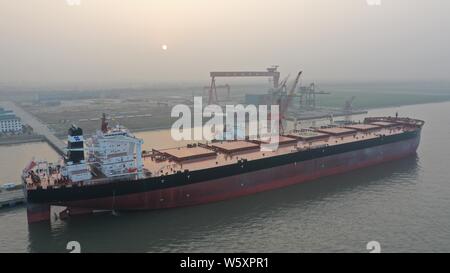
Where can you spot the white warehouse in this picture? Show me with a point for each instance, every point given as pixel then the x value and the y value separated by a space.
pixel 9 122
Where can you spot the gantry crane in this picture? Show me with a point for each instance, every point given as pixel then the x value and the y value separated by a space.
pixel 271 72
pixel 348 108
pixel 308 96
pixel 215 97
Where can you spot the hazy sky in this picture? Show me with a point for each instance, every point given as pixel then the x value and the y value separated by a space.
pixel 111 41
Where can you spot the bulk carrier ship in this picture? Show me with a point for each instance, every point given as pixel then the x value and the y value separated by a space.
pixel 109 171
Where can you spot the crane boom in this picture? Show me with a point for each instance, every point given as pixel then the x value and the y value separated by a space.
pixel 297 79
pixel 285 106
pixel 290 95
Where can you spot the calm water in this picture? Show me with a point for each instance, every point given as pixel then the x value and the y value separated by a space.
pixel 404 205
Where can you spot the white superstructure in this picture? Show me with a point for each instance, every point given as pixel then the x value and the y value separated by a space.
pixel 111 153
pixel 77 172
pixel 116 152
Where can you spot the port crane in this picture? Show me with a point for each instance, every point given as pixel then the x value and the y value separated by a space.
pixel 349 105
pixel 348 108
pixel 308 96
pixel 282 86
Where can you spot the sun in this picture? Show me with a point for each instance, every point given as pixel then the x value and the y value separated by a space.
pixel 164 47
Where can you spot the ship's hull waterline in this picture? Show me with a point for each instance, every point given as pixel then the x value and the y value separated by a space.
pixel 224 184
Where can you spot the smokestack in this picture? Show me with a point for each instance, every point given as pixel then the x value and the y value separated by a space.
pixel 75 145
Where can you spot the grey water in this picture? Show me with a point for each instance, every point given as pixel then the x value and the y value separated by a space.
pixel 403 205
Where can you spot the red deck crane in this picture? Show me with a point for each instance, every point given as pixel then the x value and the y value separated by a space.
pixel 284 104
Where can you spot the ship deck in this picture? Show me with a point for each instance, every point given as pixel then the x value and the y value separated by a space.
pixel 167 167
pixel 214 154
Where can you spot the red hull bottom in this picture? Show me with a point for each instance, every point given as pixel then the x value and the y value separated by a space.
pixel 38 213
pixel 249 183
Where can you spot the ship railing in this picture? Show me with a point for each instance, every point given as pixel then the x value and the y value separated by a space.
pixel 206 146
pixel 308 148
pixel 95 181
pixel 399 120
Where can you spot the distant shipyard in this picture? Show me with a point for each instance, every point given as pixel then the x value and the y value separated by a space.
pixel 139 108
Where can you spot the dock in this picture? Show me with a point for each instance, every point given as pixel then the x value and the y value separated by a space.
pixel 39 127
pixel 11 198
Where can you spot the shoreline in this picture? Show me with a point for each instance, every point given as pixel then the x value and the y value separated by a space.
pixel 21 140
pixel 38 138
pixel 151 129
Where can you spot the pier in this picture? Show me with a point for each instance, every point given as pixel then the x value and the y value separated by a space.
pixel 38 126
pixel 11 198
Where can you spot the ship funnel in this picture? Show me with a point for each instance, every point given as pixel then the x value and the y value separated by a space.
pixel 75 145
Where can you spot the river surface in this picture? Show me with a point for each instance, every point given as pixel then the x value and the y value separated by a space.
pixel 404 205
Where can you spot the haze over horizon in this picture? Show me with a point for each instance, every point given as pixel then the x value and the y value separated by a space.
pixel 135 41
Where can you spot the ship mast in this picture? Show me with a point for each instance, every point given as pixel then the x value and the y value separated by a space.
pixel 104 126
